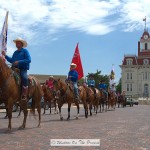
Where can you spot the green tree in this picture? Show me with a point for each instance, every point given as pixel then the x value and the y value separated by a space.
pixel 98 77
pixel 118 87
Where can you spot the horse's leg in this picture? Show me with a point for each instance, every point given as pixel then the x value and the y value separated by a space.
pixel 19 112
pixel 44 106
pixel 39 110
pixel 90 107
pixel 85 108
pixel 78 109
pixel 6 116
pixel 69 106
pixel 59 107
pixel 25 111
pixel 56 112
pixel 50 106
pixel 9 113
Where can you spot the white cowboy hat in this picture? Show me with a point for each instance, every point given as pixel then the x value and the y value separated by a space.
pixel 21 40
pixel 72 64
pixel 51 76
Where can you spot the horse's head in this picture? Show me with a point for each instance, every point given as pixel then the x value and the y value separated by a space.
pixel 59 85
pixel 44 88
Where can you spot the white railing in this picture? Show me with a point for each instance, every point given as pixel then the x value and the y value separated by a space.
pixel 144 101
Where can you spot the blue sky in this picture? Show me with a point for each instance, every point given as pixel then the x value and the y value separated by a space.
pixel 105 30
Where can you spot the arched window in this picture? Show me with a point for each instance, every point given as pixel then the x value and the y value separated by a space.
pixel 145 46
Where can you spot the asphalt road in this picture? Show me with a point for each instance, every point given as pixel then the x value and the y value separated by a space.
pixel 123 129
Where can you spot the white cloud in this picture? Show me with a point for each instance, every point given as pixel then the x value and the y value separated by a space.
pixel 32 19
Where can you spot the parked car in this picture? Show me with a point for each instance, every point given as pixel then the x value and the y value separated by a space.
pixel 42 103
pixel 131 102
pixel 15 106
pixel 135 102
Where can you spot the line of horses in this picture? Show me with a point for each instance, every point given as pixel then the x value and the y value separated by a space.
pixel 10 92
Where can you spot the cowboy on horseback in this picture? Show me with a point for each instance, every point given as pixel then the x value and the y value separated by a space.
pixel 73 77
pixel 21 59
pixel 91 83
pixel 102 86
pixel 50 83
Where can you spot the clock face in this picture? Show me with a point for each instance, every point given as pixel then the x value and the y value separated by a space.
pixel 145 61
pixel 145 36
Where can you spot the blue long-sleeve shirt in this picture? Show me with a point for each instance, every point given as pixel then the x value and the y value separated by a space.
pixel 74 75
pixel 102 86
pixel 91 83
pixel 22 56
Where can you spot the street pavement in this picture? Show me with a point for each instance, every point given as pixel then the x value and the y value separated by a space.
pixel 123 129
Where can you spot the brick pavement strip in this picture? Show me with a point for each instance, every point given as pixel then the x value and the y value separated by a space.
pixel 122 129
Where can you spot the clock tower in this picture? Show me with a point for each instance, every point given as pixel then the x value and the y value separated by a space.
pixel 144 44
pixel 136 68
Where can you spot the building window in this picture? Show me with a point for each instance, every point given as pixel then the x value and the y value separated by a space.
pixel 145 75
pixel 129 61
pixel 129 87
pixel 129 76
pixel 145 46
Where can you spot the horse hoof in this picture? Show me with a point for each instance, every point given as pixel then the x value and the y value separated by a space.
pixel 21 127
pixel 39 126
pixel 8 131
pixel 5 117
pixel 77 118
pixel 68 118
pixel 61 118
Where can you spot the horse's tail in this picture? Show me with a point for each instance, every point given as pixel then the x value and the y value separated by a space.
pixel 32 110
pixel 38 92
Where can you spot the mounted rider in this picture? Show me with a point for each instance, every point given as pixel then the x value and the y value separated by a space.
pixel 73 77
pixel 103 86
pixel 49 83
pixel 21 60
pixel 91 83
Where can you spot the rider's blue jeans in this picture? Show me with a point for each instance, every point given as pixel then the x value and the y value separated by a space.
pixel 76 89
pixel 24 77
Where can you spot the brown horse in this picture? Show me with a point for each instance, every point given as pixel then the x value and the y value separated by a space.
pixel 49 97
pixel 111 100
pixel 10 92
pixel 91 98
pixel 96 100
pixel 83 97
pixel 121 101
pixel 66 95
pixel 103 101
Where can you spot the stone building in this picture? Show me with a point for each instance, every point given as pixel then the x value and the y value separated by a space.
pixel 136 69
pixel 43 78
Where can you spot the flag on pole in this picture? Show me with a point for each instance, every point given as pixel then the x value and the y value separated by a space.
pixel 113 72
pixel 3 36
pixel 77 60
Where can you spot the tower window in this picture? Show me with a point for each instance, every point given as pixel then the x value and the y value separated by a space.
pixel 129 61
pixel 145 46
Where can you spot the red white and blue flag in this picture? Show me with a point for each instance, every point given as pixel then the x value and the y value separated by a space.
pixel 3 36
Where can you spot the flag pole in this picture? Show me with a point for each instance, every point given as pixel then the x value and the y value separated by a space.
pixel 3 36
